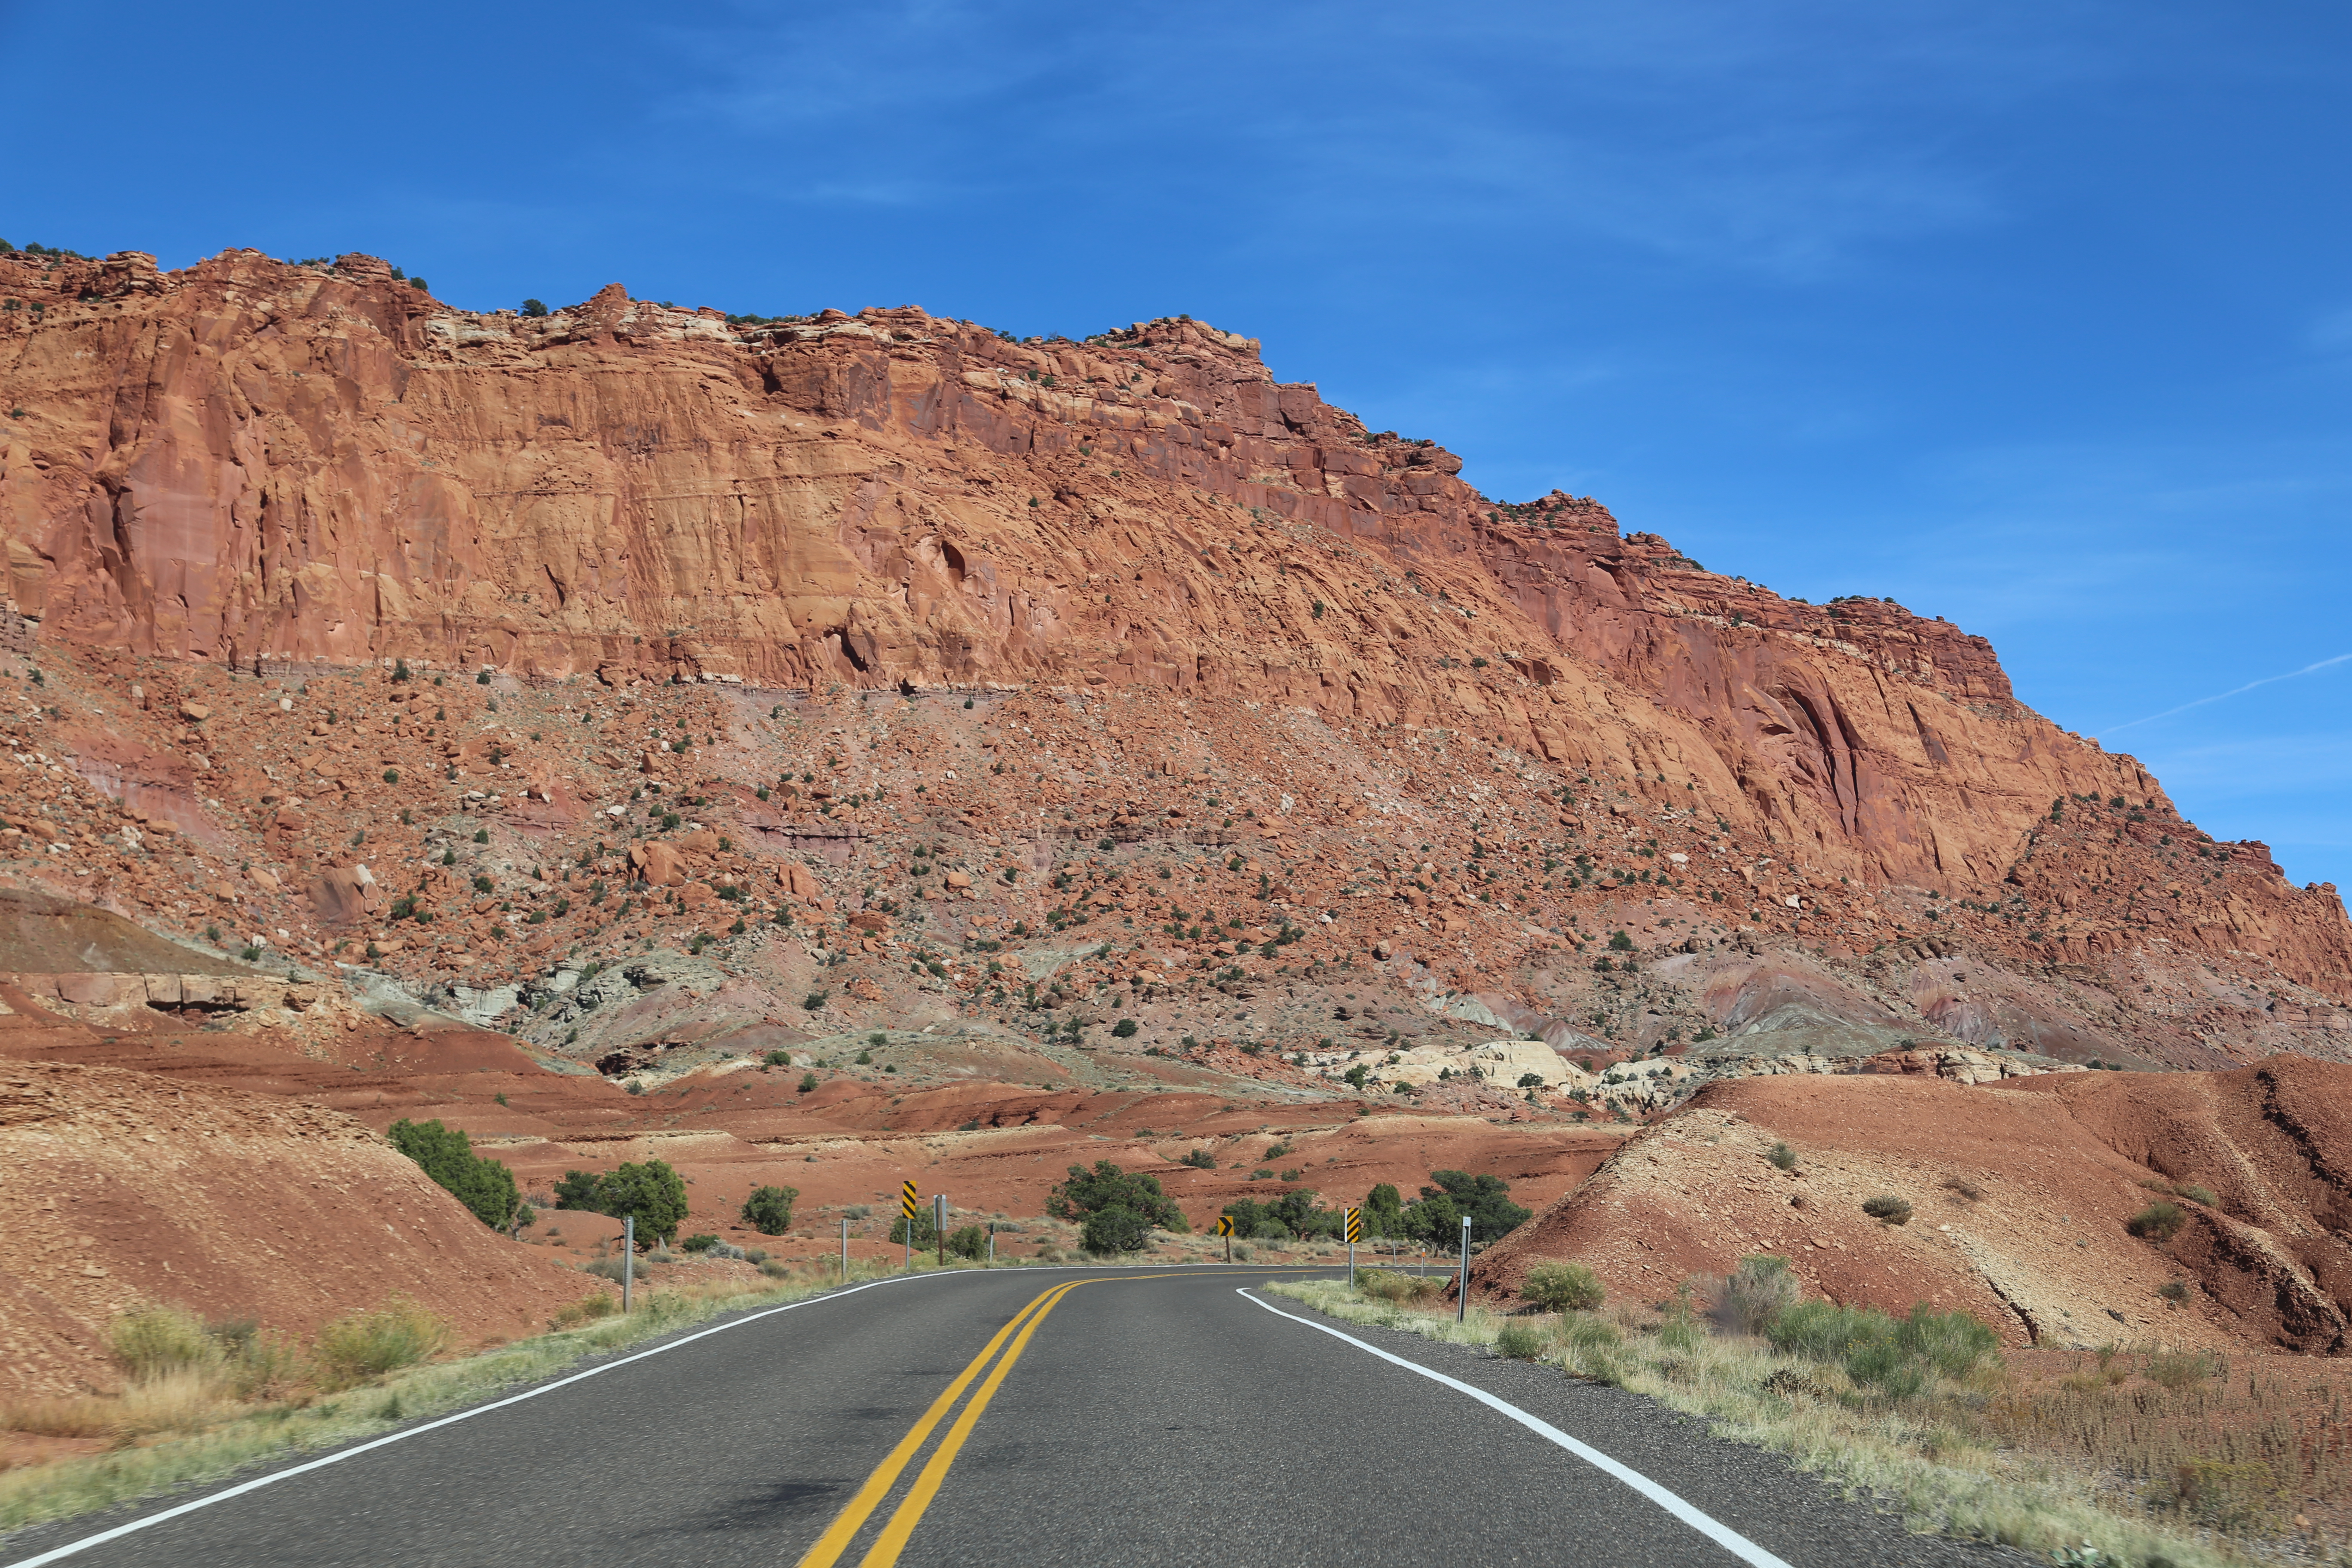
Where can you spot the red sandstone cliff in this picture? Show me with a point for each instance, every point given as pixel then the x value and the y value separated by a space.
pixel 261 465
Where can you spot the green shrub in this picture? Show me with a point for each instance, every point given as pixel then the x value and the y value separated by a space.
pixel 778 1058
pixel 363 1345
pixel 2158 1222
pixel 2224 1495
pixel 485 1186
pixel 1435 1217
pixel 1784 1156
pixel 1125 1029
pixel 1950 1344
pixel 155 1341
pixel 1824 1331
pixel 1520 1342
pixel 2198 1194
pixel 1106 1186
pixel 651 1191
pixel 1387 1285
pixel 702 1242
pixel 1115 1227
pixel 769 1210
pixel 926 1233
pixel 808 1083
pixel 1564 1287
pixel 1887 1206
pixel 1759 1290
pixel 2177 1369
pixel 970 1242
pixel 1884 1367
pixel 1201 1160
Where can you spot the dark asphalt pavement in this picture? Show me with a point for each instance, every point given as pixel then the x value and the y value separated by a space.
pixel 1159 1419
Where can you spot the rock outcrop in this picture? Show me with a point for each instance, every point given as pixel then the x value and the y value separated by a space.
pixel 1140 547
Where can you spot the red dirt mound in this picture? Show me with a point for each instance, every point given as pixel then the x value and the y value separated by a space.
pixel 2020 1195
pixel 124 1189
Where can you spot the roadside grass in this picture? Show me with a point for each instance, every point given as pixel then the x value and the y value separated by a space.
pixel 1956 1457
pixel 211 1404
pixel 203 1401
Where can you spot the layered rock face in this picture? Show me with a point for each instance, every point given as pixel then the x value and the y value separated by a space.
pixel 274 467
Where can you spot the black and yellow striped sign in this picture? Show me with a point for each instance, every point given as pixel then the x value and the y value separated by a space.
pixel 1355 1224
pixel 906 1198
pixel 1224 1224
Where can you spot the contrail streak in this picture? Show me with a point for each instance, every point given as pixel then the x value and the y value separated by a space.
pixel 2222 696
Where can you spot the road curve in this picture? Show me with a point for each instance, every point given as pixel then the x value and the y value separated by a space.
pixel 1082 1417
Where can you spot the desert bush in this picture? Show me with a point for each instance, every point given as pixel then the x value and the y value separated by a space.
pixel 1387 1285
pixel 2174 1290
pixel 702 1242
pixel 924 1233
pixel 1561 1286
pixel 1887 1207
pixel 363 1345
pixel 968 1242
pixel 1784 1156
pixel 154 1341
pixel 2222 1494
pixel 773 1269
pixel 2198 1194
pixel 1824 1331
pixel 769 1210
pixel 587 1310
pixel 1757 1291
pixel 257 1363
pixel 1107 1187
pixel 1951 1343
pixel 1521 1342
pixel 650 1190
pixel 605 1269
pixel 2179 1369
pixel 2158 1222
pixel 447 1154
pixel 1882 1367
pixel 1115 1229
pixel 1201 1159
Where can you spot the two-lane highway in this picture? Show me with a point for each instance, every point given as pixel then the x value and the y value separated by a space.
pixel 1094 1417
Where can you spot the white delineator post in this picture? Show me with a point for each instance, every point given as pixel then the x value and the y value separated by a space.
pixel 628 1258
pixel 1462 1300
pixel 844 1249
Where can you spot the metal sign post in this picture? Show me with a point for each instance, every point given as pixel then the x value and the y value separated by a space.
pixel 940 1224
pixel 1462 1302
pixel 992 1244
pixel 907 1207
pixel 1225 1229
pixel 628 1258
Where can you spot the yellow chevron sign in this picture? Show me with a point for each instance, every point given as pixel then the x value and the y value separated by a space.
pixel 1224 1224
pixel 1355 1224
pixel 907 1200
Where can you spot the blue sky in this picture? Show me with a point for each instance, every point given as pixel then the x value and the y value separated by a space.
pixel 2038 317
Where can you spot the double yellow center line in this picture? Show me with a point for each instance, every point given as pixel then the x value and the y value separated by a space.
pixel 835 1543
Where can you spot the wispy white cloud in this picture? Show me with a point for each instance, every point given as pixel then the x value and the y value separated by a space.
pixel 1704 133
pixel 2234 691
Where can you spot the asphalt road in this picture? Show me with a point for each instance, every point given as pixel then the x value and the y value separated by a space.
pixel 1132 1418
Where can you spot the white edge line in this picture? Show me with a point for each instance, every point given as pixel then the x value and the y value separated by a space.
pixel 1706 1524
pixel 340 1455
